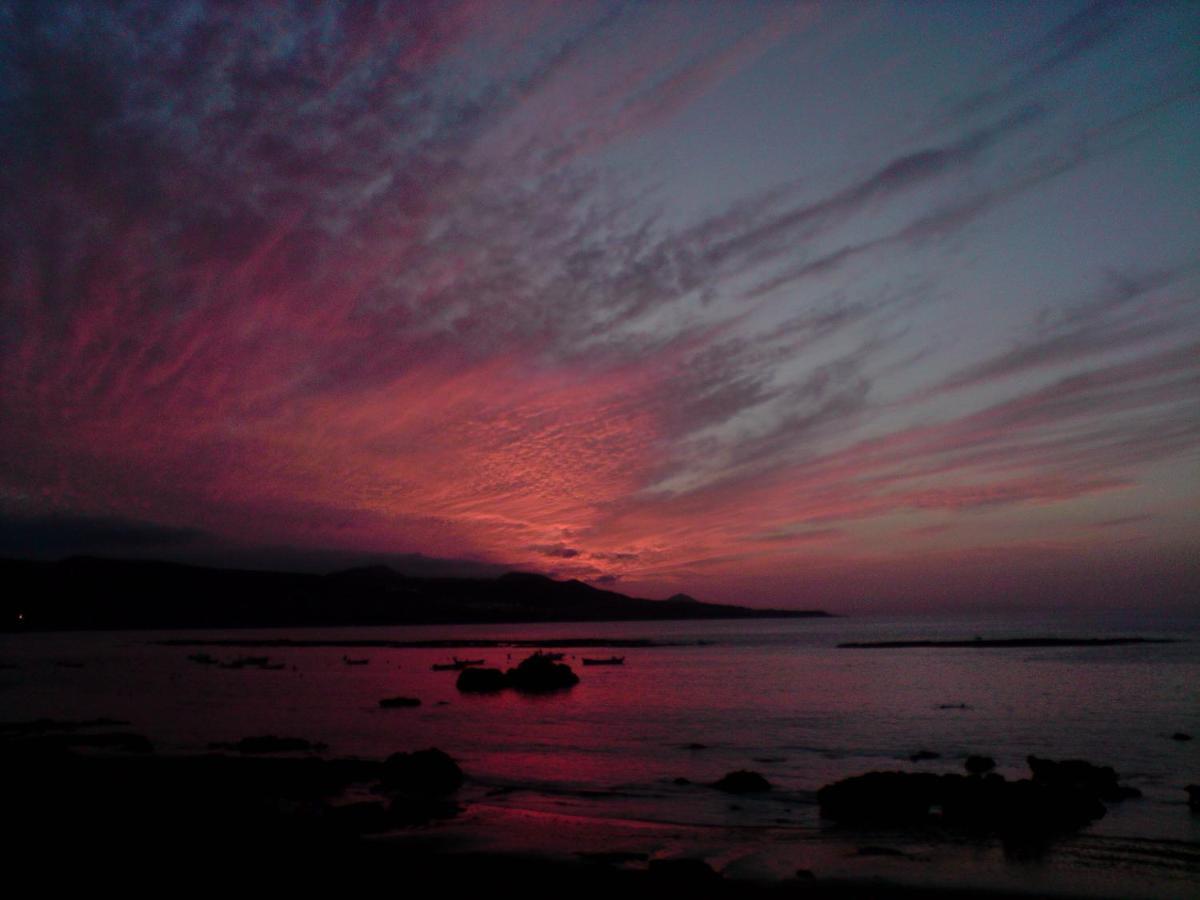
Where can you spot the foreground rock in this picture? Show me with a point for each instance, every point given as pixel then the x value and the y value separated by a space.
pixel 1060 797
pixel 979 765
pixel 212 806
pixel 683 875
pixel 425 773
pixel 742 781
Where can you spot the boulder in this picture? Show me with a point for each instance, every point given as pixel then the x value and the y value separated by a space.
pixel 539 673
pixel 481 681
pixel 1076 774
pixel 880 798
pixel 742 781
pixel 425 773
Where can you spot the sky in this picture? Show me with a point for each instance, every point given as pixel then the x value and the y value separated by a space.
pixel 869 306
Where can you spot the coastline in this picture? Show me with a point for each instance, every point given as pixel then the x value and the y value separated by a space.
pixel 284 821
pixel 545 786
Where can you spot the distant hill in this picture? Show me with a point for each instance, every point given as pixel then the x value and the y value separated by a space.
pixel 92 593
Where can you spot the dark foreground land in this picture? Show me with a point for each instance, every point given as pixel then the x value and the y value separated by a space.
pixel 90 806
pixel 87 593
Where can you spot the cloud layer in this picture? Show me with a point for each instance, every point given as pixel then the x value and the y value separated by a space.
pixel 435 278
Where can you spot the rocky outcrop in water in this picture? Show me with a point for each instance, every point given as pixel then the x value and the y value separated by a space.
pixel 481 681
pixel 537 674
pixel 1059 797
pixel 540 673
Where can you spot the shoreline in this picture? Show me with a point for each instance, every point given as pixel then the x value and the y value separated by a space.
pixel 224 812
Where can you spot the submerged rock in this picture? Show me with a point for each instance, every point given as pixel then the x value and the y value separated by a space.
pixel 399 702
pixel 540 673
pixel 742 781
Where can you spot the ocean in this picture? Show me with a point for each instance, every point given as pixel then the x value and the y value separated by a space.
pixel 596 767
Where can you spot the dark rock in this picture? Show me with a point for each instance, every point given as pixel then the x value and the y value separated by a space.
pixel 366 817
pixel 425 773
pixel 880 851
pixel 742 782
pixel 1078 775
pixel 399 702
pixel 986 803
pixel 64 742
pixel 1193 792
pixel 1181 736
pixel 922 755
pixel 695 746
pixel 880 798
pixel 682 781
pixel 407 810
pixel 978 765
pixel 539 673
pixel 612 857
pixel 683 874
pixel 269 743
pixel 481 681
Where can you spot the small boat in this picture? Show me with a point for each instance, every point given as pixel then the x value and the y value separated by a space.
pixel 355 662
pixel 608 661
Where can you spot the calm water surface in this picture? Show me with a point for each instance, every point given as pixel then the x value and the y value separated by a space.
pixel 774 696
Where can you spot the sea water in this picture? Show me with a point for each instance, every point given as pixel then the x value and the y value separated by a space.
pixel 598 764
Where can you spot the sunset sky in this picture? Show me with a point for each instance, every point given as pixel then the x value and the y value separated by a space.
pixel 849 304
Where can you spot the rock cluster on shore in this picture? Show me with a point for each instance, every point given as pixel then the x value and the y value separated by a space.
pixel 1058 797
